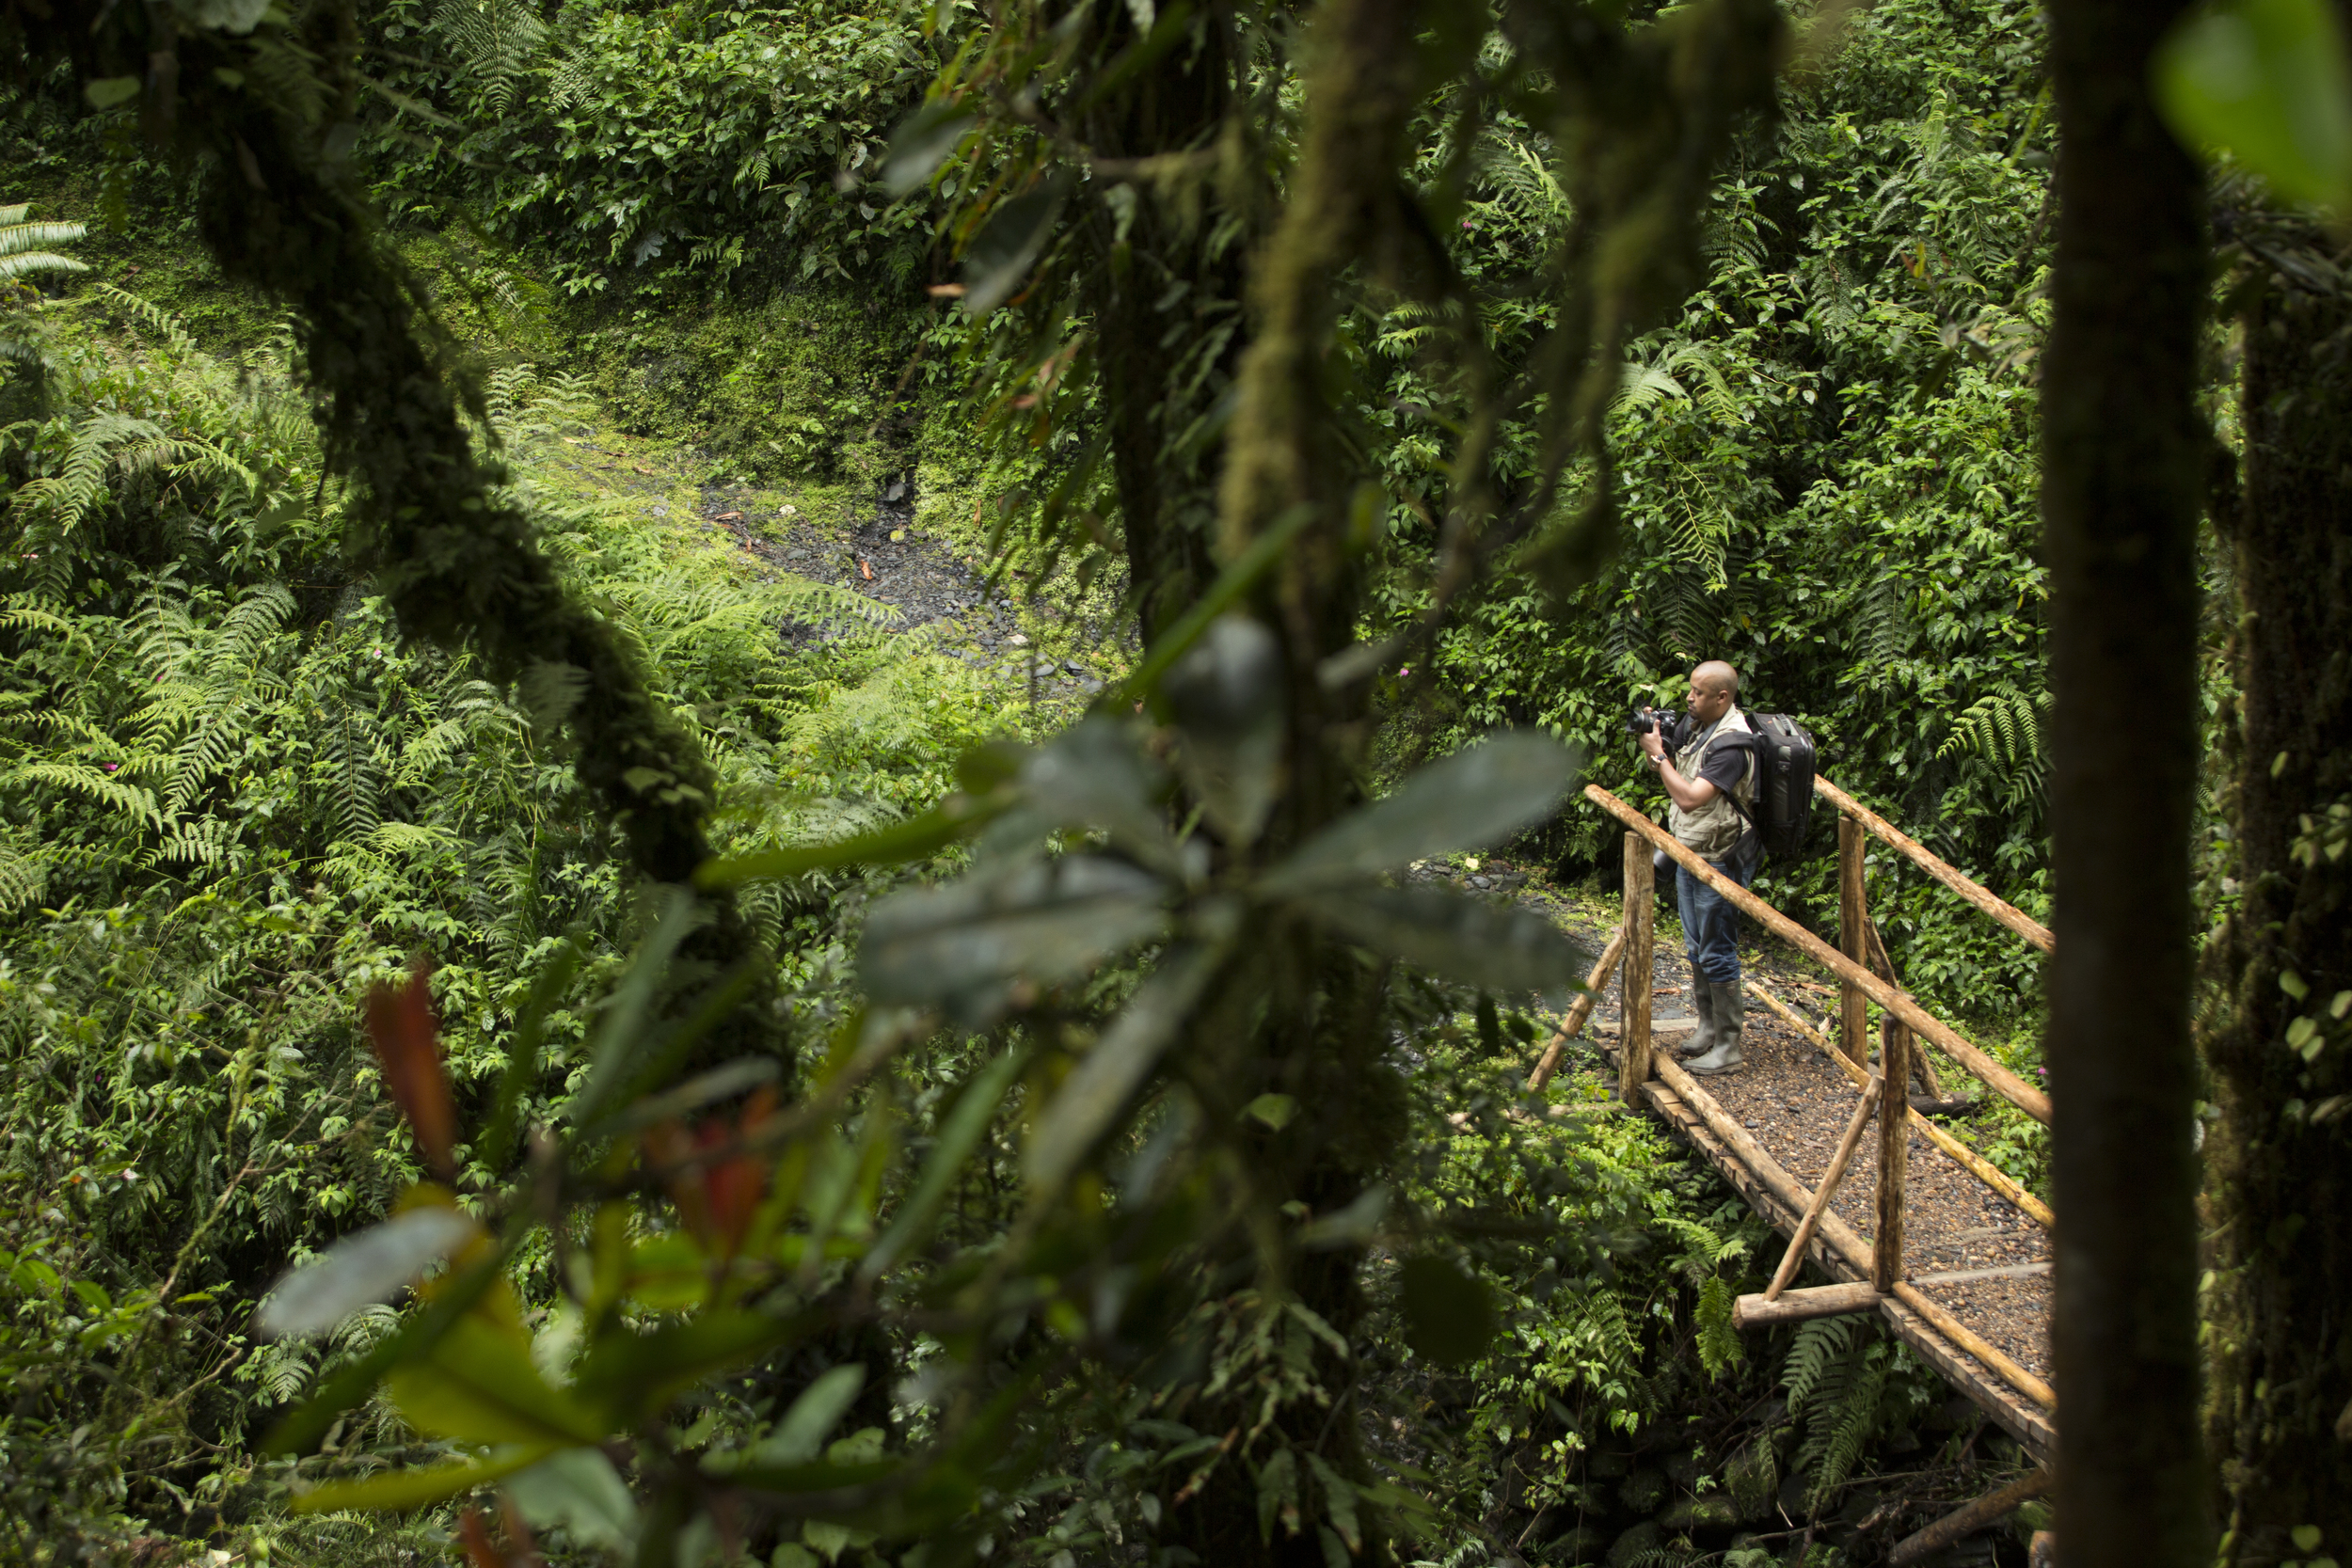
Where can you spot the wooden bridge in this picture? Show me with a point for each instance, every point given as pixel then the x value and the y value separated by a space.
pixel 1792 1131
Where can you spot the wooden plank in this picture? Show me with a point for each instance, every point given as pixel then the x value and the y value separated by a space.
pixel 1968 1159
pixel 1641 904
pixel 1853 1013
pixel 1973 1516
pixel 2004 1083
pixel 1886 1250
pixel 2014 1415
pixel 1578 1010
pixel 1982 898
pixel 1820 1301
pixel 1828 1189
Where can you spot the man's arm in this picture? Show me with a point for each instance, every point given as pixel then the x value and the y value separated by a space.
pixel 1689 794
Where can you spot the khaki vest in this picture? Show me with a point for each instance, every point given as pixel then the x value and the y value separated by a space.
pixel 1716 828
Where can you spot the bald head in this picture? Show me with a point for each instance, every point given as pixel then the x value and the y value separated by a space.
pixel 1714 684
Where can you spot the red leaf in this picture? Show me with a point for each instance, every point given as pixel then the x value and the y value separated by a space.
pixel 408 1043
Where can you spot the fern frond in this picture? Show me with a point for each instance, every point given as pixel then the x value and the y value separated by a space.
pixel 158 320
pixel 2004 727
pixel 90 783
pixel 497 43
pixel 1645 387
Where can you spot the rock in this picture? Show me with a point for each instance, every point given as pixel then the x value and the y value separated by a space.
pixel 1635 1544
pixel 1712 1512
pixel 1644 1490
pixel 1583 1544
pixel 1018 640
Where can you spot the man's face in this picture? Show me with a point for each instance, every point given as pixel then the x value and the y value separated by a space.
pixel 1707 703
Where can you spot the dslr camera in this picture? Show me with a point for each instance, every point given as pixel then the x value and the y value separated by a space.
pixel 1644 720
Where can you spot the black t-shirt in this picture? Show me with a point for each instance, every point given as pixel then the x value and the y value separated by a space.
pixel 1725 764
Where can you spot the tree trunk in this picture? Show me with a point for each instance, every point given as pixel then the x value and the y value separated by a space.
pixel 2123 458
pixel 2279 1409
pixel 1152 333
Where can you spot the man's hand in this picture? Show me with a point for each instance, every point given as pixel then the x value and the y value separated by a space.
pixel 1653 744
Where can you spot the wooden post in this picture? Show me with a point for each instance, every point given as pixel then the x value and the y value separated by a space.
pixel 1854 917
pixel 1578 1010
pixel 1884 967
pixel 1887 1258
pixel 1633 1064
pixel 1828 1189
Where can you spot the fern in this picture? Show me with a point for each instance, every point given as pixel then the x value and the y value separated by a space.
pixel 496 42
pixel 19 240
pixel 1818 1346
pixel 91 784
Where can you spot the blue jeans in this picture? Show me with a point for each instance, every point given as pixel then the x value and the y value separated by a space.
pixel 1709 924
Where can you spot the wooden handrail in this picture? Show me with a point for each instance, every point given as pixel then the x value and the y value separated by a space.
pixel 1581 1008
pixel 1959 881
pixel 2002 1081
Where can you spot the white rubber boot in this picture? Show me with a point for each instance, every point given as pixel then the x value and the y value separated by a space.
pixel 1702 1038
pixel 1731 1006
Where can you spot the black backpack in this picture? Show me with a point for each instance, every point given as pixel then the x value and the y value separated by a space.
pixel 1783 785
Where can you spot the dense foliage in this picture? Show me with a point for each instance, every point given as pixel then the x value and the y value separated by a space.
pixel 236 801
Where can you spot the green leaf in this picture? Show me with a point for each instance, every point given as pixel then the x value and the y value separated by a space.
pixel 1097 776
pixel 1473 797
pixel 917 838
pixel 2306 1537
pixel 801 1434
pixel 2268 82
pixel 1226 697
pixel 921 144
pixel 1231 583
pixel 616 1045
pixel 635 1374
pixel 1010 243
pixel 1082 1108
pixel 229 16
pixel 962 947
pixel 580 1490
pixel 1502 948
pixel 404 1489
pixel 958 1134
pixel 1276 1111
pixel 107 91
pixel 360 1270
pixel 355 1379
pixel 479 1387
pixel 1449 1316
pixel 523 1053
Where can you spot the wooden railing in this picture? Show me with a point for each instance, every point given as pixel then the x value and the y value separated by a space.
pixel 1861 966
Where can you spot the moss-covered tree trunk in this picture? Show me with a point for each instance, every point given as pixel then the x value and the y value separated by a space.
pixel 2123 460
pixel 2279 1169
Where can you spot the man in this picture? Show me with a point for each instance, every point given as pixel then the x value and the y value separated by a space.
pixel 1711 777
